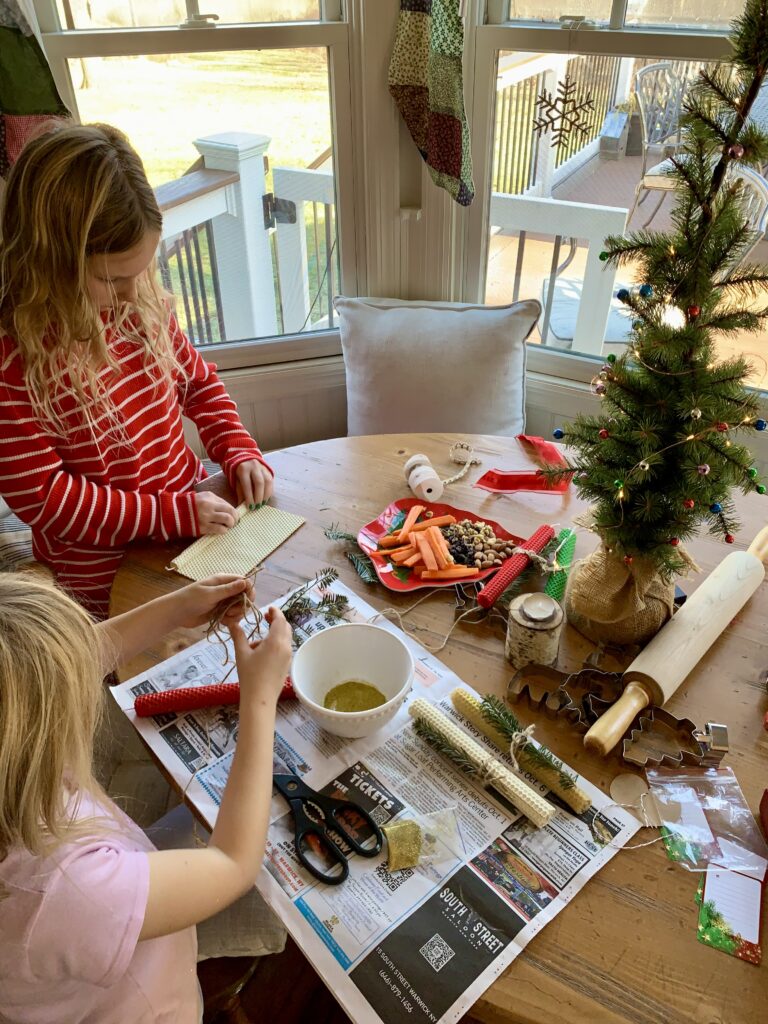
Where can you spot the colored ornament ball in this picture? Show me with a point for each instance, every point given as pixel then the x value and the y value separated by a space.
pixel 603 257
pixel 694 312
pixel 558 433
pixel 644 466
pixel 622 294
pixel 716 507
pixel 703 469
pixel 722 427
pixel 618 484
pixel 611 358
pixel 689 503
pixel 736 151
pixel 628 559
pixel 695 414
pixel 674 541
pixel 729 538
pixel 646 290
pixel 760 488
pixel 603 434
pixel 600 388
pixel 760 424
pixel 752 473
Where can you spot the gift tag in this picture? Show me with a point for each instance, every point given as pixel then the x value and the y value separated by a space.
pixel 729 914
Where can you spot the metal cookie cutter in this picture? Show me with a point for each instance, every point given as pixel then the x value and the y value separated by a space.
pixel 659 739
pixel 580 696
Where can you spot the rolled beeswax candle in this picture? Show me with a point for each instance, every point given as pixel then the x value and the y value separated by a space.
pixel 490 769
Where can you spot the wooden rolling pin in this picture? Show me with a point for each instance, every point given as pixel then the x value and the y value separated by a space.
pixel 656 673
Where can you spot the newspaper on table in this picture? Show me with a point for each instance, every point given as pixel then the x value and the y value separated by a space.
pixel 424 943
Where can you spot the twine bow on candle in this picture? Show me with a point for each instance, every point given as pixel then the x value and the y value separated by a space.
pixel 518 744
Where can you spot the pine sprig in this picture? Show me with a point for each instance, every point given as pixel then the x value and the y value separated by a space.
pixel 363 566
pixel 438 742
pixel 497 714
pixel 334 532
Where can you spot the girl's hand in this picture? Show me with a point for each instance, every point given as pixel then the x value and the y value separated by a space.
pixel 214 514
pixel 262 666
pixel 254 483
pixel 198 602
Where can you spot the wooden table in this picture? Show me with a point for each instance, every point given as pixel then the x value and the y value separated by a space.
pixel 626 948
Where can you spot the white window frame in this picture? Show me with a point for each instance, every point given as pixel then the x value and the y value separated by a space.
pixel 333 35
pixel 498 34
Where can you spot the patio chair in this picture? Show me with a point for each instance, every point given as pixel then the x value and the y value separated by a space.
pixel 660 90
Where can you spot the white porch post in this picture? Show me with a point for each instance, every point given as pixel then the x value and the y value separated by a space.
pixel 243 252
pixel 292 262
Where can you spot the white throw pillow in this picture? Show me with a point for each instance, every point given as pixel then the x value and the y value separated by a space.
pixel 434 366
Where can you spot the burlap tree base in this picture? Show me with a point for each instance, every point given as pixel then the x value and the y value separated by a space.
pixel 613 603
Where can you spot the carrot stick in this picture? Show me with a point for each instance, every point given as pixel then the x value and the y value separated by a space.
pixel 392 540
pixel 413 560
pixel 438 546
pixel 453 573
pixel 391 552
pixel 410 519
pixel 407 553
pixel 422 541
pixel 436 521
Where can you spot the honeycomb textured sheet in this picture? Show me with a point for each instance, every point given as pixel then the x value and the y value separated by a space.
pixel 240 549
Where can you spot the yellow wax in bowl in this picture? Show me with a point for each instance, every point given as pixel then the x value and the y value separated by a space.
pixel 353 695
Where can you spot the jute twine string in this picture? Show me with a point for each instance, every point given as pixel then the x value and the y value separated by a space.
pixel 518 744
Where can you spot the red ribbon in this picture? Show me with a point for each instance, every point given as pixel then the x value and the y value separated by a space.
pixel 544 454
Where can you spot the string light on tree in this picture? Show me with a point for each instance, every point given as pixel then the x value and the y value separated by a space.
pixel 695 414
pixel 673 318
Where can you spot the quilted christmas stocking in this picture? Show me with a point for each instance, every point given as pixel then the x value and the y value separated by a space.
pixel 28 95
pixel 425 80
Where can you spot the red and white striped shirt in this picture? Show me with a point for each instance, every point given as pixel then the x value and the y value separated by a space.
pixel 96 491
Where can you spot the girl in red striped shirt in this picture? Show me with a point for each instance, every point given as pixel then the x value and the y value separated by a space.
pixel 95 373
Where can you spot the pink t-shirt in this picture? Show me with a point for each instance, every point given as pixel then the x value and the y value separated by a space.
pixel 69 929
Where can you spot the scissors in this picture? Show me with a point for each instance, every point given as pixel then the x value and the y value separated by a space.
pixel 319 818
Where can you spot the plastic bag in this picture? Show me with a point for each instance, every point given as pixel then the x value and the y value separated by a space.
pixel 706 821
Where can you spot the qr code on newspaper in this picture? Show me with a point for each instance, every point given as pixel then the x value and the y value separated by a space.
pixel 437 952
pixel 393 882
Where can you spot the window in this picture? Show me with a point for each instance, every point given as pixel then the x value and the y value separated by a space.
pixel 85 14
pixel 238 130
pixel 555 192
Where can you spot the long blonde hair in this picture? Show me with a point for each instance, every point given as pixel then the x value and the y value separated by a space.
pixel 51 701
pixel 74 192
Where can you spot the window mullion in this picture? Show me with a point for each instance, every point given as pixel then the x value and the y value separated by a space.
pixel 618 14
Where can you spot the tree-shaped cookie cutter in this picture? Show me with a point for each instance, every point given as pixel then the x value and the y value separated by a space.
pixel 656 738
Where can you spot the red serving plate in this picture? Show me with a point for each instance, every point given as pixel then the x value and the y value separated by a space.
pixel 399 578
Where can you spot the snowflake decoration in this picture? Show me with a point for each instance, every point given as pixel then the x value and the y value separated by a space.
pixel 562 114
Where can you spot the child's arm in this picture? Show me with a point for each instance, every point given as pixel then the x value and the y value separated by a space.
pixel 129 634
pixel 70 507
pixel 187 886
pixel 205 401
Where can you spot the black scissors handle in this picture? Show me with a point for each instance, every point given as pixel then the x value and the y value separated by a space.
pixel 332 811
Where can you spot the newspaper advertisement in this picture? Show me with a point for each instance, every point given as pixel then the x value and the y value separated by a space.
pixel 424 943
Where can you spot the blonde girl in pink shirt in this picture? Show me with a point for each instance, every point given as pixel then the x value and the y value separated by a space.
pixel 96 926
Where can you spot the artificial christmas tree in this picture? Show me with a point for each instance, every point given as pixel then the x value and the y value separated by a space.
pixel 664 455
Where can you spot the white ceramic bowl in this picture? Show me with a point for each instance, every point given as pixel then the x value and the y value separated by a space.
pixel 353 650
